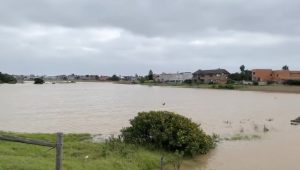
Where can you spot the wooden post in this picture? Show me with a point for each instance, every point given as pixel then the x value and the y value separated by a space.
pixel 162 163
pixel 59 151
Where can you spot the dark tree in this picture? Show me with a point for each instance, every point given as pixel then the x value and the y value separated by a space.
pixel 247 75
pixel 39 81
pixel 285 67
pixel 242 68
pixel 244 75
pixel 114 78
pixel 150 75
pixel 6 78
pixel 235 77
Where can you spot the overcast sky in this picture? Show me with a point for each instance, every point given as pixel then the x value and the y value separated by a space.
pixel 132 36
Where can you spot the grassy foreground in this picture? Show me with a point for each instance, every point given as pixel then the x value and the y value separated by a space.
pixel 80 153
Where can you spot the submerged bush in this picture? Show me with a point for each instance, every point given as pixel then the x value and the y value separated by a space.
pixel 39 81
pixel 168 131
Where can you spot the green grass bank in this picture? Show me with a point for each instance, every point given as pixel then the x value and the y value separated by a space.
pixel 80 153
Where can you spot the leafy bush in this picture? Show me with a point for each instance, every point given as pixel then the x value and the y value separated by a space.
pixel 169 131
pixel 39 81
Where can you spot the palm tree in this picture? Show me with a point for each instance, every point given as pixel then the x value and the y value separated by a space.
pixel 285 67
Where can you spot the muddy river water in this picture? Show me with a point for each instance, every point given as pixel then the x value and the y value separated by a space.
pixel 104 108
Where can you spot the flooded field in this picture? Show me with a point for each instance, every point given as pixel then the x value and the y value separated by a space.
pixel 254 126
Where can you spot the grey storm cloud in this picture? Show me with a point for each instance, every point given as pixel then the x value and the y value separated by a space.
pixel 133 36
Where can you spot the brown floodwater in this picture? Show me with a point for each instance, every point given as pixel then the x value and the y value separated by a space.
pixel 104 108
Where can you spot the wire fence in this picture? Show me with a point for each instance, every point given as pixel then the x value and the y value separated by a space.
pixel 58 145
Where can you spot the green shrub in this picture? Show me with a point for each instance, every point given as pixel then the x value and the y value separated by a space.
pixel 168 131
pixel 149 81
pixel 39 81
pixel 226 86
pixel 292 82
pixel 229 81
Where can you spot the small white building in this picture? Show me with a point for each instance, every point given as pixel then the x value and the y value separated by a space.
pixel 174 77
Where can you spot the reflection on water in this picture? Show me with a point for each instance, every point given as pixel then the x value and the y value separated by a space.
pixel 106 108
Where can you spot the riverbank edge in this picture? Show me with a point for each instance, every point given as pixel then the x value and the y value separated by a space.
pixel 265 88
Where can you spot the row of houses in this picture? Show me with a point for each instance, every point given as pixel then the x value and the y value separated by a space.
pixel 71 77
pixel 174 77
pixel 218 76
pixel 221 76
pixel 274 76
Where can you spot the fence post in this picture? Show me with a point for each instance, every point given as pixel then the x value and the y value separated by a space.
pixel 59 151
pixel 162 163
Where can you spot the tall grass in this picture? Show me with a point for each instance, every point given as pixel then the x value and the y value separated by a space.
pixel 80 153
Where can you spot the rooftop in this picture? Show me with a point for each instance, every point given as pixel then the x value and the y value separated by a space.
pixel 210 72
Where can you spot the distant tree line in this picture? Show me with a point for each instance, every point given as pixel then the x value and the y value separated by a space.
pixel 6 78
pixel 114 78
pixel 148 78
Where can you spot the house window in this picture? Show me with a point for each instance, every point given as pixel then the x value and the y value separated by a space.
pixel 253 73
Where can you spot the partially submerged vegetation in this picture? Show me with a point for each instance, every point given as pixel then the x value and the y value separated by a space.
pixel 241 136
pixel 168 131
pixel 295 121
pixel 153 135
pixel 39 81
